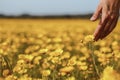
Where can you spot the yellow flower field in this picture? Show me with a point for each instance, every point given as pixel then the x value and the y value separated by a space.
pixel 57 49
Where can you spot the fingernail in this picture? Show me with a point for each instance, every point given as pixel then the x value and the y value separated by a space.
pixel 92 18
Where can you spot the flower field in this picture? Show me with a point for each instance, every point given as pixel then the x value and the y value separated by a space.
pixel 57 49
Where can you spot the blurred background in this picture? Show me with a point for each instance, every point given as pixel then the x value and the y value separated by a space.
pixel 47 7
pixel 53 40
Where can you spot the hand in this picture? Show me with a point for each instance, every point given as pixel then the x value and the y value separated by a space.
pixel 108 10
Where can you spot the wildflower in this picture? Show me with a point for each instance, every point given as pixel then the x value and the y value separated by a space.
pixel 41 51
pixel 6 72
pixel 20 62
pixel 45 65
pixel 110 74
pixel 37 60
pixel 83 67
pixel 72 61
pixel 27 58
pixel 62 73
pixel 82 58
pixel 46 72
pixel 25 77
pixel 89 38
pixel 65 55
pixel 103 60
pixel 84 49
pixel 71 78
pixel 116 54
pixel 67 69
pixel 115 45
pixel 81 63
pixel 102 43
pixel 20 69
pixel 55 60
pixel 57 40
pixel 57 52
pixel 105 49
pixel 52 67
pixel 11 77
pixel 1 51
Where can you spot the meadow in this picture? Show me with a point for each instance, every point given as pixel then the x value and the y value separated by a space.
pixel 57 49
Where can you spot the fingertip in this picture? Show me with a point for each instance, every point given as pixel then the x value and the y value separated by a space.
pixel 95 39
pixel 102 36
pixel 95 34
pixel 93 18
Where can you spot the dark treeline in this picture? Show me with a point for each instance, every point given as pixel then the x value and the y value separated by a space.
pixel 47 17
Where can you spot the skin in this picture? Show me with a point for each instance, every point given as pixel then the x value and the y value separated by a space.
pixel 108 12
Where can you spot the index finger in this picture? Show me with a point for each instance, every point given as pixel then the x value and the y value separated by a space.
pixel 100 28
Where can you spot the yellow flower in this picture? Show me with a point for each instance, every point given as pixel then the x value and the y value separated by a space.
pixel 11 77
pixel 1 51
pixel 83 67
pixel 19 69
pixel 25 77
pixel 55 60
pixel 6 72
pixel 89 38
pixel 45 65
pixel 62 73
pixel 82 58
pixel 37 60
pixel 65 55
pixel 105 49
pixel 110 74
pixel 27 58
pixel 52 67
pixel 71 78
pixel 67 69
pixel 72 61
pixel 41 51
pixel 20 62
pixel 102 43
pixel 57 39
pixel 57 52
pixel 46 72
pixel 81 63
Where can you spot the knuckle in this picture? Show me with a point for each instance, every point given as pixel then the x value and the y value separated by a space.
pixel 106 16
pixel 113 14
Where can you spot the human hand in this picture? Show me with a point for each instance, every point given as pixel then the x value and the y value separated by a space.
pixel 108 10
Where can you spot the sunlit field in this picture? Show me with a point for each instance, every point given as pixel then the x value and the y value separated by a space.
pixel 57 49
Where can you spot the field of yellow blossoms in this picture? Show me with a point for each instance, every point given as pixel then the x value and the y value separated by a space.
pixel 57 49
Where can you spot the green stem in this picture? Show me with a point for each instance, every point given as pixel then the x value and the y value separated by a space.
pixel 8 62
pixel 1 68
pixel 93 59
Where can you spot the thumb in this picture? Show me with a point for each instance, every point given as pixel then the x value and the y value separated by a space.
pixel 96 14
